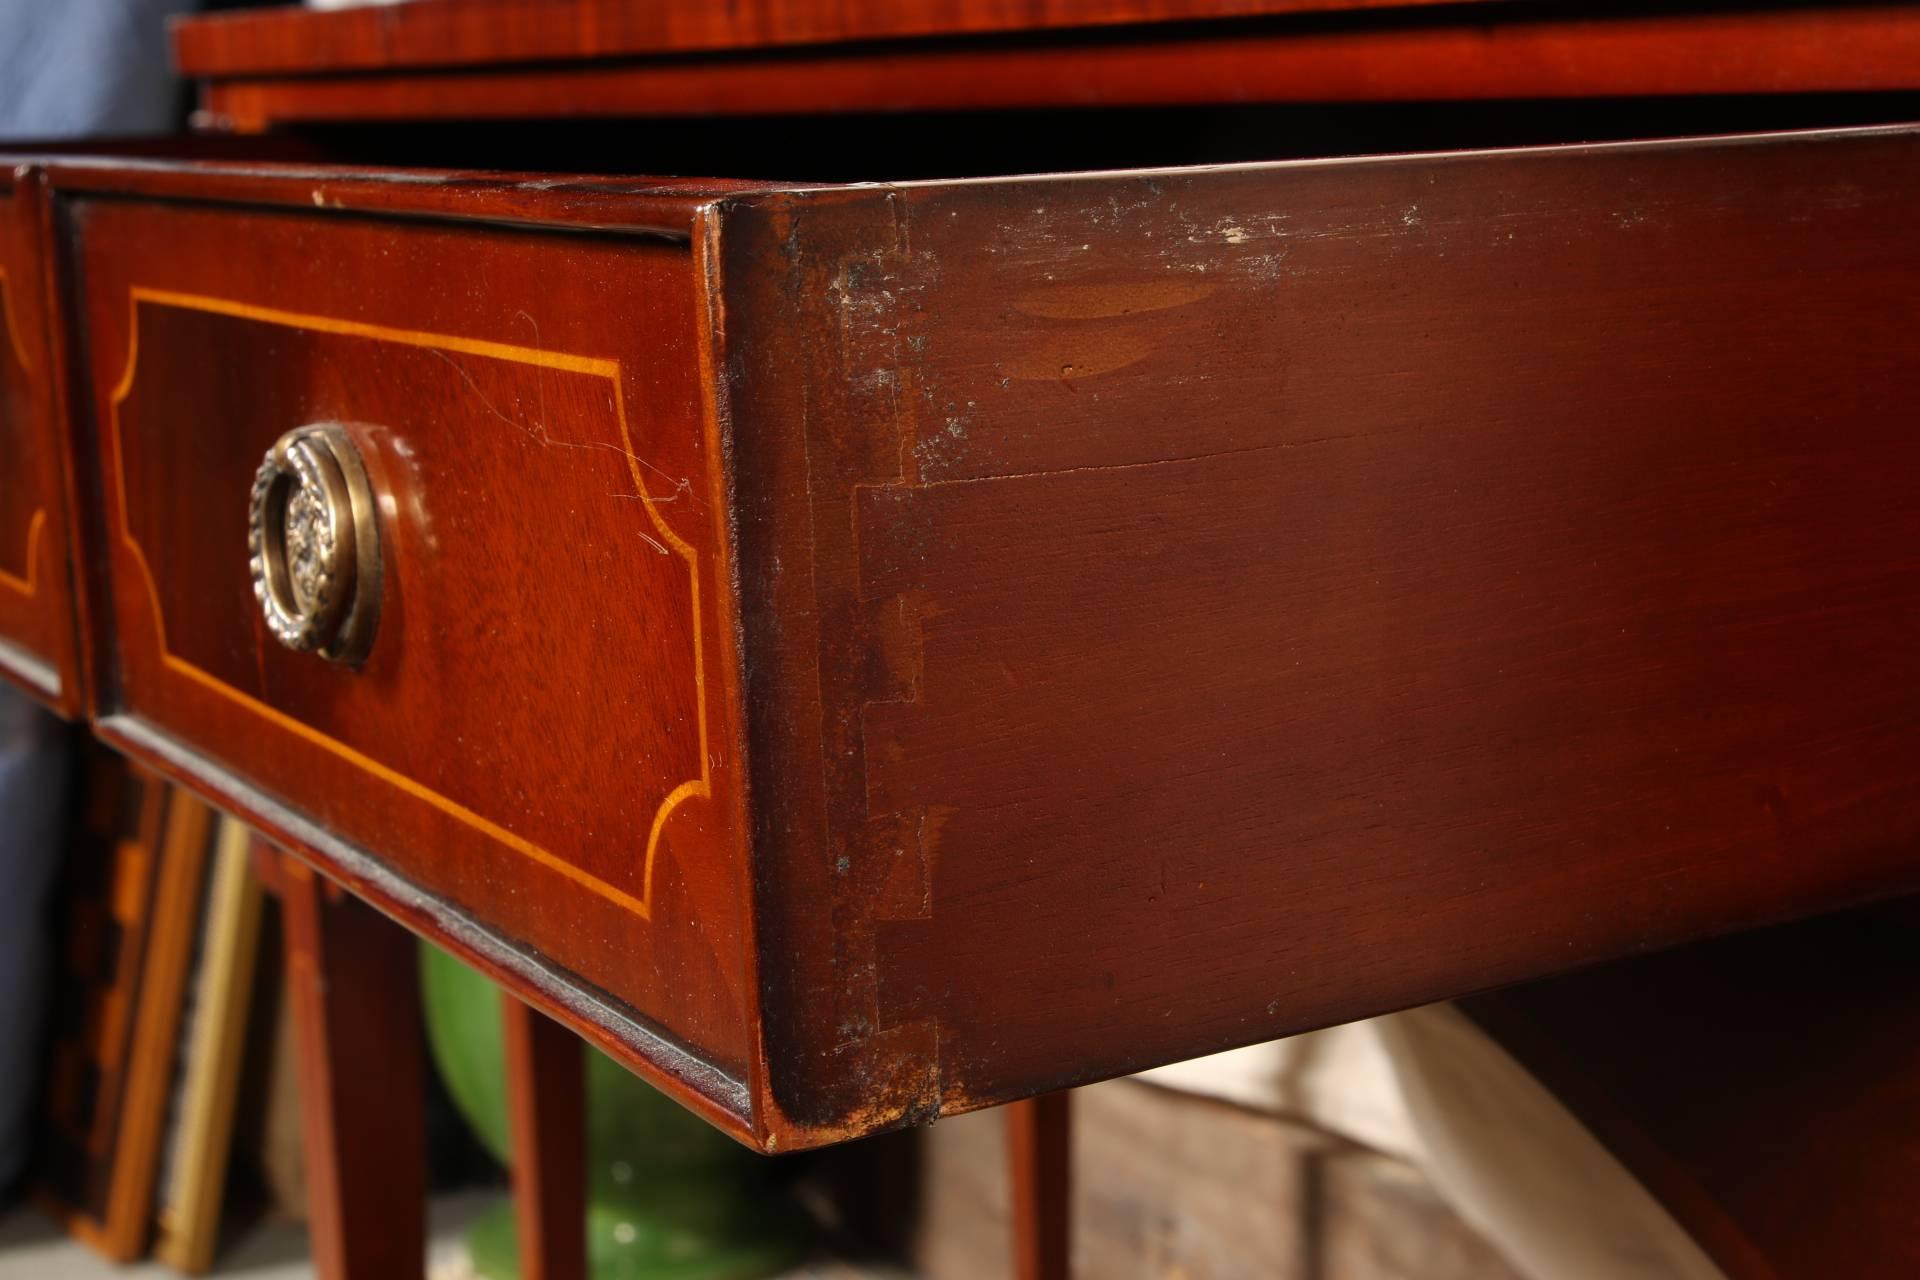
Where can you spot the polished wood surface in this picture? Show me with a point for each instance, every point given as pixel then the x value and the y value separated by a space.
pixel 863 654
pixel 661 208
pixel 1244 600
pixel 37 631
pixel 361 1064
pixel 457 34
pixel 1766 1087
pixel 1040 1186
pixel 1454 52
pixel 543 735
pixel 547 1126
pixel 1041 628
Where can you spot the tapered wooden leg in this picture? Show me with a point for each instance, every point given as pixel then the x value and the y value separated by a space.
pixel 1039 1141
pixel 547 1118
pixel 359 1036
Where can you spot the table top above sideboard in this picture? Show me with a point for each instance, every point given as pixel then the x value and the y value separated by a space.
pixel 529 59
pixel 448 33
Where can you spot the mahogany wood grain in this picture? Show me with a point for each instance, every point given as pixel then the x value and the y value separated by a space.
pixel 357 1029
pixel 1768 49
pixel 1242 600
pixel 252 42
pixel 547 1127
pixel 543 734
pixel 1765 1087
pixel 1102 618
pixel 37 618
pixel 1040 1168
pixel 661 208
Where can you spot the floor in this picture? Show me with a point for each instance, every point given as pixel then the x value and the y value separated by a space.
pixel 33 1248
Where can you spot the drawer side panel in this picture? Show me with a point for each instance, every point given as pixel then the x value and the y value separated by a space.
pixel 1247 600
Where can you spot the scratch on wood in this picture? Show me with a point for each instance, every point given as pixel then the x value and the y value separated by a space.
pixel 1149 462
pixel 538 433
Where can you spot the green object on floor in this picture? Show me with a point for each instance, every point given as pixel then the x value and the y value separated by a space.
pixel 669 1197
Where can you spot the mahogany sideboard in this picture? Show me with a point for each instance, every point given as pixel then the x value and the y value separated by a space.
pixel 863 652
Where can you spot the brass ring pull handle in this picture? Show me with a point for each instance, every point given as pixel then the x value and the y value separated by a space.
pixel 315 545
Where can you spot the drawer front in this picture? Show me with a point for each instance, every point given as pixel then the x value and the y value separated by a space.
pixel 538 732
pixel 36 602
